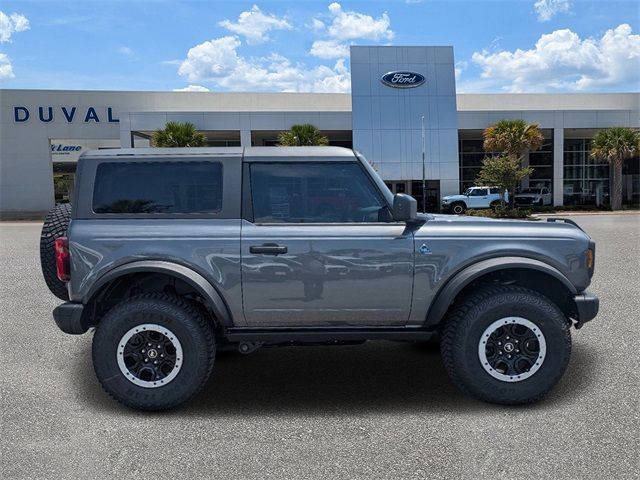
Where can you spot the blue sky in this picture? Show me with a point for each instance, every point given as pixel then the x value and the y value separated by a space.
pixel 499 46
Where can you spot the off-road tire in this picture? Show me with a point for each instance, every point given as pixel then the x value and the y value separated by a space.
pixel 464 327
pixel 458 208
pixel 55 225
pixel 183 319
pixel 495 204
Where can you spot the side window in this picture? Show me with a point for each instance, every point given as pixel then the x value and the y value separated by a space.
pixel 544 191
pixel 158 187
pixel 478 192
pixel 314 193
pixel 494 191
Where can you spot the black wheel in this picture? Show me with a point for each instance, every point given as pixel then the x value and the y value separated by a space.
pixel 495 204
pixel 153 351
pixel 55 225
pixel 506 345
pixel 458 208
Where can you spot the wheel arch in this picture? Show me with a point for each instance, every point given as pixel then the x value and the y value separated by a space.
pixel 518 270
pixel 200 284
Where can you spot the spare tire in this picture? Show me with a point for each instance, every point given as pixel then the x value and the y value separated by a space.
pixel 55 225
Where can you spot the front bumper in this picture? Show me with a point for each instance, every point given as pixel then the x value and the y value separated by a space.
pixel 587 305
pixel 68 317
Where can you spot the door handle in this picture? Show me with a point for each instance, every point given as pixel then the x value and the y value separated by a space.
pixel 268 249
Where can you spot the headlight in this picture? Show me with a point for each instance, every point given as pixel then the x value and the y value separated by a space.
pixel 445 200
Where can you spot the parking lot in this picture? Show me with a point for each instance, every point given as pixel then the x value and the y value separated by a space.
pixel 378 410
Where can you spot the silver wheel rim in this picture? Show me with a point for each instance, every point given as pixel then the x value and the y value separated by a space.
pixel 167 340
pixel 457 209
pixel 493 357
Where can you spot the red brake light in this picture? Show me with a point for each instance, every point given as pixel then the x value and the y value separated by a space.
pixel 63 269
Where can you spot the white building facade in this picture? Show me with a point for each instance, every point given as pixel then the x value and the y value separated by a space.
pixel 403 103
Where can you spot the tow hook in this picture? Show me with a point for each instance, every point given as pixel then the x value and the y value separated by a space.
pixel 249 347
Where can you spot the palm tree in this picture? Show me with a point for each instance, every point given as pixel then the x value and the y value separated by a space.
pixel 513 137
pixel 177 134
pixel 615 145
pixel 302 135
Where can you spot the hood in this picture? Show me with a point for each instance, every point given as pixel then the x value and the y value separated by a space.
pixel 454 197
pixel 462 225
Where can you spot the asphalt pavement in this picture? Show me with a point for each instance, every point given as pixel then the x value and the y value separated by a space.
pixel 378 410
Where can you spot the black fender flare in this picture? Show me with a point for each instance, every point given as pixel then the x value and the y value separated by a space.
pixel 193 278
pixel 454 286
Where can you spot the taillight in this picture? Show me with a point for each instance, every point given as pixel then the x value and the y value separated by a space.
pixel 63 269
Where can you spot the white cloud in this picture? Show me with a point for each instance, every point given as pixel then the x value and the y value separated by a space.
pixel 561 60
pixel 316 25
pixel 346 26
pixel 254 24
pixel 126 51
pixel 217 61
pixel 547 9
pixel 352 25
pixel 6 70
pixel 10 24
pixel 329 49
pixel 192 88
pixel 460 67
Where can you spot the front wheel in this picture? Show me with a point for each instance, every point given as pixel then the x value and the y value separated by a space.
pixel 458 208
pixel 153 351
pixel 506 345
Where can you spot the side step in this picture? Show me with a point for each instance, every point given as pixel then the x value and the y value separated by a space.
pixel 326 334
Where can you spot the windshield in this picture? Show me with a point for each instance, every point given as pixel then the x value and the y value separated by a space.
pixel 530 190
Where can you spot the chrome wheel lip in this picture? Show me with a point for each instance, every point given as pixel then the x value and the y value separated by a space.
pixel 149 327
pixel 482 355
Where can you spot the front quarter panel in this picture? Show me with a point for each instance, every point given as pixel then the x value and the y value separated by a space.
pixel 454 243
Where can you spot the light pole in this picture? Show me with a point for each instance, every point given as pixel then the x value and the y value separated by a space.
pixel 424 181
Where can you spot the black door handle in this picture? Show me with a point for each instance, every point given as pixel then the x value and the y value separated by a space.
pixel 268 249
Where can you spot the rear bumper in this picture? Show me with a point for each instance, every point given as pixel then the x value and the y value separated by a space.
pixel 587 305
pixel 68 317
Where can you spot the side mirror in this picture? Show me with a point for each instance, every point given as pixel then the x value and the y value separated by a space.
pixel 405 208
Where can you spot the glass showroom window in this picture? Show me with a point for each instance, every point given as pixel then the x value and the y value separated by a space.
pixel 542 163
pixel 586 181
pixel 471 156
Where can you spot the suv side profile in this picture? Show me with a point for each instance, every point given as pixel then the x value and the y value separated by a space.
pixel 170 255
pixel 473 197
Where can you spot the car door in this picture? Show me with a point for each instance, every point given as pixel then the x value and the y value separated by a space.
pixel 478 198
pixel 315 251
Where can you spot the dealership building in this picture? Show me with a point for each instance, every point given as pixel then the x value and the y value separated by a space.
pixel 403 102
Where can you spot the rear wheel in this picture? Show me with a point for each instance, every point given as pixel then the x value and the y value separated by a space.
pixel 458 208
pixel 495 204
pixel 153 352
pixel 55 226
pixel 506 345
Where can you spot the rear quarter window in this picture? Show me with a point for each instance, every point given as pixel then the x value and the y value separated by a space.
pixel 157 187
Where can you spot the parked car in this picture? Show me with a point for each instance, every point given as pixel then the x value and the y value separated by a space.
pixel 474 197
pixel 173 254
pixel 533 196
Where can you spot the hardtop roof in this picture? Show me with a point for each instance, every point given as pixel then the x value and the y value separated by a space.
pixel 281 153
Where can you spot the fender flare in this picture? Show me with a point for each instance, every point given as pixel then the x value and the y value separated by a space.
pixel 193 278
pixel 454 286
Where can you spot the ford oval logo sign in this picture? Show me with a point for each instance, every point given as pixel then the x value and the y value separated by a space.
pixel 402 79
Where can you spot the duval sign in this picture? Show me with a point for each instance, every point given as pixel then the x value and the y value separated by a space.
pixel 68 114
pixel 402 79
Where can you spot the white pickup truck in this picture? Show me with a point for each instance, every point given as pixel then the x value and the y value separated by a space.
pixel 474 197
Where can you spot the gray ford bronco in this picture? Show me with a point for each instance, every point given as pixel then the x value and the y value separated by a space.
pixel 172 254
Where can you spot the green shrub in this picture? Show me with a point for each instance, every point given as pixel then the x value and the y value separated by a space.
pixel 500 212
